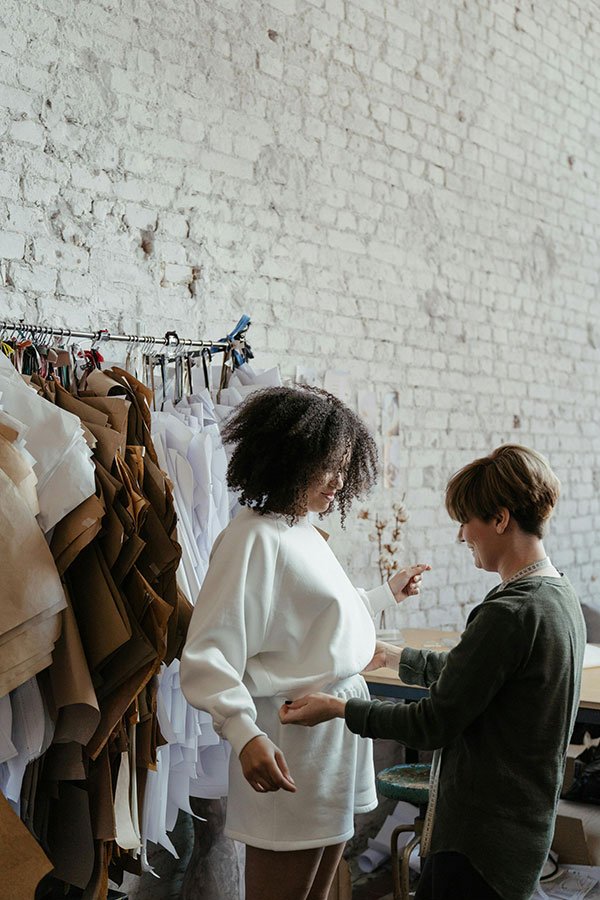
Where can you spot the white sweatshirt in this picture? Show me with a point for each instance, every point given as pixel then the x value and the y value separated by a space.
pixel 276 617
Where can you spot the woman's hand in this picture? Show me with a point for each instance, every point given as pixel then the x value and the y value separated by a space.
pixel 407 582
pixel 312 710
pixel 264 766
pixel 386 656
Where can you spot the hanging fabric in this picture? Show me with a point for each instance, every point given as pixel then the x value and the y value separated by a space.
pixel 85 463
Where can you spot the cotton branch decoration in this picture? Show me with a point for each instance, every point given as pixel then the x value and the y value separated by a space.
pixel 388 535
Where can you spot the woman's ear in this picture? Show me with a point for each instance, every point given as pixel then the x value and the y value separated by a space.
pixel 501 520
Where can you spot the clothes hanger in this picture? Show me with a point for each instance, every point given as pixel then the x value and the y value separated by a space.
pixel 206 357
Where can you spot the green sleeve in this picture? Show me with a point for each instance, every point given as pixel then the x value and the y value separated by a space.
pixel 490 650
pixel 421 667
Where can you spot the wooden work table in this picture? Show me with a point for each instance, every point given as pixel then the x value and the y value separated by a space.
pixel 385 682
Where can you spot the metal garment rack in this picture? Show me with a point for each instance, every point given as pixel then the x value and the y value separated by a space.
pixel 171 339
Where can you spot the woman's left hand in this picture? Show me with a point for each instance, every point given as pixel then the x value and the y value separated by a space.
pixel 312 710
pixel 407 582
pixel 386 656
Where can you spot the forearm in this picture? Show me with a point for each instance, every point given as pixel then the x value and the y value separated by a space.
pixel 393 655
pixel 415 724
pixel 420 667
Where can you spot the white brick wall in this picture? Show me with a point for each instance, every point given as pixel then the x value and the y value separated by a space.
pixel 406 191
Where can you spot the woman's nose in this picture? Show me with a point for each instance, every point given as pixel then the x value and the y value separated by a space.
pixel 336 482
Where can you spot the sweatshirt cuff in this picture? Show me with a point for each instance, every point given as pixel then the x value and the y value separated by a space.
pixel 356 715
pixel 238 730
pixel 380 598
pixel 412 666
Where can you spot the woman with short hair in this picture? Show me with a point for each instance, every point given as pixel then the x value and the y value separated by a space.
pixel 502 703
pixel 276 618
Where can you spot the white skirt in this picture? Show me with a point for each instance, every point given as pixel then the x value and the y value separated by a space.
pixel 334 776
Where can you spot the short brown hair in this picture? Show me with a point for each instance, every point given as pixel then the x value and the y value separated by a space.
pixel 511 477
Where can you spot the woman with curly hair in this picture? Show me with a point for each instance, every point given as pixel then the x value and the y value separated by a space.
pixel 277 618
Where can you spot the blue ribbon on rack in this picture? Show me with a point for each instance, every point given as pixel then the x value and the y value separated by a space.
pixel 239 356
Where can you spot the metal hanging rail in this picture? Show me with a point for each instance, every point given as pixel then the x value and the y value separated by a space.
pixel 171 338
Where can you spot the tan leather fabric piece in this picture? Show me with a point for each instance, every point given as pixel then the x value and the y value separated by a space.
pixel 115 707
pixel 22 649
pixel 26 591
pixel 102 385
pixel 29 623
pixel 118 554
pixel 18 675
pixel 20 473
pixel 70 839
pixel 108 444
pixel 74 697
pixel 76 531
pixel 116 408
pixel 80 408
pixel 101 617
pixel 101 797
pixel 23 863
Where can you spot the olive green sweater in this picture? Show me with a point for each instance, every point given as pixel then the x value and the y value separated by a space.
pixel 502 705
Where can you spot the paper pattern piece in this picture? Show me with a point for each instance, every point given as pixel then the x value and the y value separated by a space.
pixel 572 883
pixel 306 375
pixel 390 414
pixel 378 848
pixel 338 383
pixel 393 459
pixel 367 410
pixel 23 863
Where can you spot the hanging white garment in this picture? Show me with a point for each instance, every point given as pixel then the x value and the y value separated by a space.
pixel 186 436
pixel 31 595
pixel 31 735
pixel 190 451
pixel 54 437
pixel 126 799
pixel 7 748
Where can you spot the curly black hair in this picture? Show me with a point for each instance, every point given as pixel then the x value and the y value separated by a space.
pixel 286 438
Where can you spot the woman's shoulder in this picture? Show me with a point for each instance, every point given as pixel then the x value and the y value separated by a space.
pixel 248 526
pixel 534 598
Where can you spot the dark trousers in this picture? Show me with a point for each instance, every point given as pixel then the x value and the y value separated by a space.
pixel 450 876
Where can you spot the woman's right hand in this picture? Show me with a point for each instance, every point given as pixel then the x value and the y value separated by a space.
pixel 264 766
pixel 407 582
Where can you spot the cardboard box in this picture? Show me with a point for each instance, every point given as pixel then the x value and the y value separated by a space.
pixel 577 834
pixel 573 751
pixel 577 830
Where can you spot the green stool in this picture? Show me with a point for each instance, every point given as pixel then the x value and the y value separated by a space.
pixel 411 784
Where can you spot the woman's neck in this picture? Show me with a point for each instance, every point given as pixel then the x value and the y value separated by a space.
pixel 526 550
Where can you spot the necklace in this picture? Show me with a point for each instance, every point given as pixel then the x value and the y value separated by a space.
pixel 525 571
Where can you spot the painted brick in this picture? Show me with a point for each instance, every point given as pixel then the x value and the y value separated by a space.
pixel 12 245
pixel 427 206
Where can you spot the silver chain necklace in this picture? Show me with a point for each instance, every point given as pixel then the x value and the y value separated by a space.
pixel 525 571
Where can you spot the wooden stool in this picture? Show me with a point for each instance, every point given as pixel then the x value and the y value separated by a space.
pixel 411 784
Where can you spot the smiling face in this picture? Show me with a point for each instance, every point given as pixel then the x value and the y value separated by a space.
pixel 482 539
pixel 321 492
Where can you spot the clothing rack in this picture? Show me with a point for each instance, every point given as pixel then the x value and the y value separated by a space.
pixel 171 339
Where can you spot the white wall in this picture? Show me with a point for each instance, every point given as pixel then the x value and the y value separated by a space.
pixel 404 190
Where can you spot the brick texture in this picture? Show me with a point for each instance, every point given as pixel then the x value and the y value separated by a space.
pixel 404 191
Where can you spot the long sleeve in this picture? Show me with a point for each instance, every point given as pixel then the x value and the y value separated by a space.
pixel 474 671
pixel 377 599
pixel 227 628
pixel 421 667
